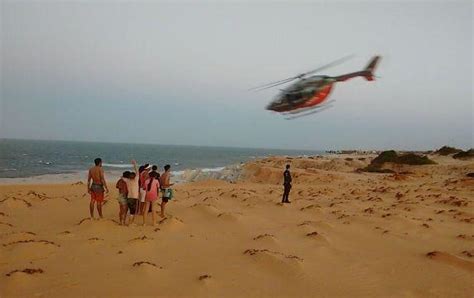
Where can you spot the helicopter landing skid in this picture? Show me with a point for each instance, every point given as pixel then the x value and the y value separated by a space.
pixel 308 111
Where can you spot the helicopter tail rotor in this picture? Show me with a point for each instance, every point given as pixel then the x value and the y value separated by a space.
pixel 369 69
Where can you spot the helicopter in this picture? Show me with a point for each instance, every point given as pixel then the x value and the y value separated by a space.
pixel 308 95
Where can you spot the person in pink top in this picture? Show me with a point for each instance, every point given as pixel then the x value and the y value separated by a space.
pixel 152 185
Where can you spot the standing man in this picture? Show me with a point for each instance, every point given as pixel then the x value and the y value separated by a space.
pixel 286 184
pixel 97 188
pixel 142 177
pixel 165 188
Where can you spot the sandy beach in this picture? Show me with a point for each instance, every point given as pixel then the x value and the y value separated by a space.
pixel 345 233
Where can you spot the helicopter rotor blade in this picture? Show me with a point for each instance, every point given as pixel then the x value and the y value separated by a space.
pixel 272 84
pixel 287 80
pixel 331 64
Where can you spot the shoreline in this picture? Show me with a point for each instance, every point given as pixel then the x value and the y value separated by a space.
pixel 230 172
pixel 181 176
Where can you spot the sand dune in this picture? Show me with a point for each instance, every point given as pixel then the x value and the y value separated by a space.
pixel 346 233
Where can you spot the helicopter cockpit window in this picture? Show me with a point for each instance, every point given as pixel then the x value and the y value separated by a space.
pixel 292 96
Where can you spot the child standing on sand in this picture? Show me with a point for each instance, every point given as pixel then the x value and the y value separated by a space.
pixel 122 196
pixel 133 192
pixel 152 185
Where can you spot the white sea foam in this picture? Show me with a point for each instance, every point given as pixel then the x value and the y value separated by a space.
pixel 229 173
pixel 114 165
pixel 207 170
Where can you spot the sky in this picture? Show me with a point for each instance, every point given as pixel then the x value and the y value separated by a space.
pixel 179 73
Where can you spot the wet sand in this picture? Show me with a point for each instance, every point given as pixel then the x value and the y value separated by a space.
pixel 344 234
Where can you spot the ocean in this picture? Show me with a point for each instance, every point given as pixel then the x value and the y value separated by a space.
pixel 66 159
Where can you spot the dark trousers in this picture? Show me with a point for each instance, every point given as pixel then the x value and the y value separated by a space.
pixel 286 192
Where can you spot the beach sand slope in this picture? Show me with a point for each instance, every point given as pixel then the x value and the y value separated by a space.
pixel 344 234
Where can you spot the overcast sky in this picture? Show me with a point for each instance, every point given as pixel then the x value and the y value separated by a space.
pixel 179 73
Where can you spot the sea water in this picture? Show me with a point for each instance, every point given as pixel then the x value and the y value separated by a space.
pixel 54 160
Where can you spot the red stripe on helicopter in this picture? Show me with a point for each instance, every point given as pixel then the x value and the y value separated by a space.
pixel 318 97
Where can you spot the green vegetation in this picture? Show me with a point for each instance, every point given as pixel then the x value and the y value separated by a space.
pixel 414 159
pixel 446 150
pixel 468 154
pixel 391 156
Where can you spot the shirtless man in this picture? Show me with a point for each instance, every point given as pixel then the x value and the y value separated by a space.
pixel 165 188
pixel 97 187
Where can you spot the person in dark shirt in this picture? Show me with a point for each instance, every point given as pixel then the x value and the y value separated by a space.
pixel 286 184
pixel 154 169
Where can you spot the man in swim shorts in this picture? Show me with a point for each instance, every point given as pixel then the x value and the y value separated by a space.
pixel 167 192
pixel 97 188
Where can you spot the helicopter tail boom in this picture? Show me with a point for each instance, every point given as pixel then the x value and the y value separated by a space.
pixel 367 73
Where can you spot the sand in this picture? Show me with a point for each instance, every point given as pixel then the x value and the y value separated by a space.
pixel 344 234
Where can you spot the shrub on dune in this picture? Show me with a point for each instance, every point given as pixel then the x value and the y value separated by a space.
pixel 391 156
pixel 446 150
pixel 468 154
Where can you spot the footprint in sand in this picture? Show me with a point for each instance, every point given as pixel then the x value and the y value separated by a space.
pixel 231 216
pixel 17 236
pixel 274 261
pixel 451 260
pixel 468 253
pixel 369 210
pixel 263 236
pixel 313 234
pixel 311 207
pixel 265 239
pixel 83 220
pixel 26 271
pixel 95 239
pixel 204 277
pixel 144 238
pixel 205 209
pixel 15 203
pixel 171 223
pixel 46 242
pixel 147 267
pixel 31 249
pixel 466 237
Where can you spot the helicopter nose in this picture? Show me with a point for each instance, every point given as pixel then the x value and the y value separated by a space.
pixel 271 106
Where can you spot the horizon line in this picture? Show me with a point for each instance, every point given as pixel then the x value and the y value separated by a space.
pixel 221 146
pixel 140 143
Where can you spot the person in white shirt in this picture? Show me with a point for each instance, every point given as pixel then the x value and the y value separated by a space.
pixel 133 192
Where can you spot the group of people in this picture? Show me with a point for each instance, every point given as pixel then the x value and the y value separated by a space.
pixel 138 191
